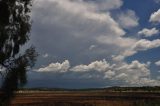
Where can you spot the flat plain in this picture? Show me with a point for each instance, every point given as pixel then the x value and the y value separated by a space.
pixel 85 98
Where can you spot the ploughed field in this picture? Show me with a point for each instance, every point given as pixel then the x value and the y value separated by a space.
pixel 85 98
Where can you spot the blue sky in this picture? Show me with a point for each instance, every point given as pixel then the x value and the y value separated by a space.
pixel 95 43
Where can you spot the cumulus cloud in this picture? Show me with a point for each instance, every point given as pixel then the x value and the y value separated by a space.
pixel 121 42
pixel 56 67
pixel 129 46
pixel 132 74
pixel 96 65
pixel 157 63
pixel 148 32
pixel 118 58
pixel 64 14
pixel 155 17
pixel 73 31
pixel 128 19
pixel 139 45
pixel 144 44
pixel 84 31
pixel 133 71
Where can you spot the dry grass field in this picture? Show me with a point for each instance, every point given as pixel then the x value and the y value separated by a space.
pixel 85 98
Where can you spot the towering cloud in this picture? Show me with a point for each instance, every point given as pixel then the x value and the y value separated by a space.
pixel 85 32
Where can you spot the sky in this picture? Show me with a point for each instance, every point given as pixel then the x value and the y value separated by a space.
pixel 95 43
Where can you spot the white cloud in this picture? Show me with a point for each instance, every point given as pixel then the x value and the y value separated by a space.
pixel 144 44
pixel 56 67
pixel 69 28
pixel 129 46
pixel 139 45
pixel 118 58
pixel 121 42
pixel 148 32
pixel 155 17
pixel 109 74
pixel 94 70
pixel 96 65
pixel 133 74
pixel 63 12
pixel 122 76
pixel 150 82
pixel 135 68
pixel 157 63
pixel 83 26
pixel 128 19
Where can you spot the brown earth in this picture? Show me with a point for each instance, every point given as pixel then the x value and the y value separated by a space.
pixel 85 98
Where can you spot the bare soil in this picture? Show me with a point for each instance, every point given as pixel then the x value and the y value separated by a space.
pixel 85 98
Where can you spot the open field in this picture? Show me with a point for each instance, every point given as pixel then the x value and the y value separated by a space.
pixel 85 98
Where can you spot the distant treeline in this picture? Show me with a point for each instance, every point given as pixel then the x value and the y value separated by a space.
pixel 109 89
pixel 144 88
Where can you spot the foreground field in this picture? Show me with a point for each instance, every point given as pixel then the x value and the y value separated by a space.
pixel 85 98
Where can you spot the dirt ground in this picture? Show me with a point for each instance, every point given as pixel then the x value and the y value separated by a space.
pixel 84 98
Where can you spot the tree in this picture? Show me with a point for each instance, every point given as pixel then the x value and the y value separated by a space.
pixel 15 25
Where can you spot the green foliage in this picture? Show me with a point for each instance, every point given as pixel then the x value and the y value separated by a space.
pixel 15 25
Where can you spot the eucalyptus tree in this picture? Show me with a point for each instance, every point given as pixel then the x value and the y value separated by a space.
pixel 15 26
